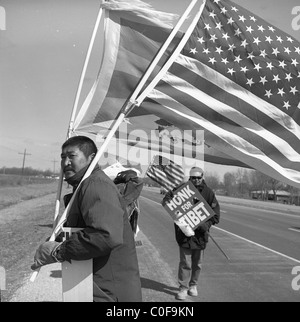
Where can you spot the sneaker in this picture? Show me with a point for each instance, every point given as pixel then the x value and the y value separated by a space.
pixel 182 294
pixel 193 291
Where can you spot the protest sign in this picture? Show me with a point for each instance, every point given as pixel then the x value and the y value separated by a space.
pixel 188 206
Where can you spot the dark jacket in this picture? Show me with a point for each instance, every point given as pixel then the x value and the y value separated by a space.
pixel 200 239
pixel 107 238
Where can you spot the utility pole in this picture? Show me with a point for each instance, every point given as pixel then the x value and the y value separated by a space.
pixel 54 161
pixel 24 156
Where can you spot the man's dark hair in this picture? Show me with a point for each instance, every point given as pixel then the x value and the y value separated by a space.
pixel 85 144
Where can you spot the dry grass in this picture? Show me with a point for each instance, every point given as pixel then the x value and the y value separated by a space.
pixel 23 227
pixel 14 189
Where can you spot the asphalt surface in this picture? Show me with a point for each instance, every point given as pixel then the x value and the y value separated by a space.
pixel 222 281
pixel 250 271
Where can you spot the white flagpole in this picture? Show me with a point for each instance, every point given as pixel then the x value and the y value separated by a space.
pixel 87 59
pixel 129 104
pixel 75 106
pixel 151 66
pixel 162 51
pixel 72 118
pixel 172 58
pixel 91 167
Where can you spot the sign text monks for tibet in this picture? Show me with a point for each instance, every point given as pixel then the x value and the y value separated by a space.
pixel 188 206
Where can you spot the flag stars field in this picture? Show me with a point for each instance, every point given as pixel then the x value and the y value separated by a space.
pixel 232 76
pixel 226 30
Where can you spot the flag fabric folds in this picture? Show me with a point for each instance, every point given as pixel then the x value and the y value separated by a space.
pixel 133 34
pixel 165 172
pixel 131 40
pixel 238 78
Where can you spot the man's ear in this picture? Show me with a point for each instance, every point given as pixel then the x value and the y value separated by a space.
pixel 91 157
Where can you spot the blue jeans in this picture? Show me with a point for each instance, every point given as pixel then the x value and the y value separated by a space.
pixel 190 265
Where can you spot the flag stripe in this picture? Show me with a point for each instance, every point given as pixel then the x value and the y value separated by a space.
pixel 174 171
pixel 155 174
pixel 244 101
pixel 234 145
pixel 165 172
pixel 237 123
pixel 226 80
pixel 234 134
pixel 174 174
pixel 123 65
pixel 237 78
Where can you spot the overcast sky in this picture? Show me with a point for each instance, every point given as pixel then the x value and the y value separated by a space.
pixel 42 51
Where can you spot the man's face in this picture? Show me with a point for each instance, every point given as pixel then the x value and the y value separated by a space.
pixel 73 160
pixel 196 177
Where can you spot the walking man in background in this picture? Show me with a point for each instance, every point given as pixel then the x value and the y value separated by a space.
pixel 191 249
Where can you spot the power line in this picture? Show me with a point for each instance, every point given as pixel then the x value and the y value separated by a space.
pixel 54 161
pixel 24 156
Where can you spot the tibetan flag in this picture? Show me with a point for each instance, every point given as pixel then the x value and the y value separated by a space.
pixel 134 32
pixel 165 172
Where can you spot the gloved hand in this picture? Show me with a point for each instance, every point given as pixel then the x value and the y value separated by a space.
pixel 168 196
pixel 124 176
pixel 43 255
pixel 203 227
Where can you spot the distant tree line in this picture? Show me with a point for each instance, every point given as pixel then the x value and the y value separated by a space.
pixel 242 182
pixel 27 172
pixel 239 183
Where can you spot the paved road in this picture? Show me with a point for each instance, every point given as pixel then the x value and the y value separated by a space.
pixel 253 273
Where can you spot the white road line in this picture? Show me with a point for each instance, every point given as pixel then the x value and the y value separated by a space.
pixel 250 241
pixel 293 229
pixel 276 212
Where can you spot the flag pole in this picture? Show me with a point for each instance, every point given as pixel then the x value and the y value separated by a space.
pixel 83 72
pixel 72 118
pixel 172 58
pixel 157 57
pixel 130 103
pixel 218 246
pixel 91 167
pixel 75 105
pixel 76 101
pixel 126 108
pixel 161 51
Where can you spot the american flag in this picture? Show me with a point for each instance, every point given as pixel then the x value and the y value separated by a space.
pixel 165 172
pixel 238 77
pixel 132 39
